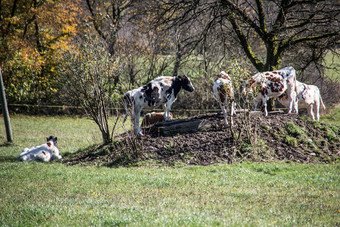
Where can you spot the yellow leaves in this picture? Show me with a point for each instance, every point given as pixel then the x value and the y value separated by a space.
pixel 69 28
pixel 12 20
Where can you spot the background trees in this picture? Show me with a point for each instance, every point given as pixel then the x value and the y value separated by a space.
pixel 266 31
pixel 34 34
pixel 269 34
pixel 165 37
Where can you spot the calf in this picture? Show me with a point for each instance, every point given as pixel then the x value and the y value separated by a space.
pixel 223 90
pixel 273 84
pixel 162 90
pixel 308 96
pixel 153 118
pixel 44 153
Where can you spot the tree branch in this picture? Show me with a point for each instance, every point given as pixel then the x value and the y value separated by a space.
pixel 94 20
pixel 248 20
pixel 292 42
pixel 245 44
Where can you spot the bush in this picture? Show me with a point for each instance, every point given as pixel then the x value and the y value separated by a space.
pixel 90 80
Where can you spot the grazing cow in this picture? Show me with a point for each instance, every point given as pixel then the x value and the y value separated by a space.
pixel 162 90
pixel 153 118
pixel 223 90
pixel 273 84
pixel 44 153
pixel 308 96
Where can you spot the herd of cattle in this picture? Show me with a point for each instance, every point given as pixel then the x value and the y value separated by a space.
pixel 280 84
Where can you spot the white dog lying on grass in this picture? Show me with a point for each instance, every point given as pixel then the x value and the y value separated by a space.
pixel 44 153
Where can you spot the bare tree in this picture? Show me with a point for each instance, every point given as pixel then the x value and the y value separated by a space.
pixel 269 28
pixel 107 18
pixel 269 33
pixel 88 79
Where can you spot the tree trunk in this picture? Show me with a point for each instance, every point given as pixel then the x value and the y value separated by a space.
pixel 177 60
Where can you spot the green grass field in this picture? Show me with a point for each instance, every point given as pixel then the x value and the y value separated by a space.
pixel 247 194
pixel 333 62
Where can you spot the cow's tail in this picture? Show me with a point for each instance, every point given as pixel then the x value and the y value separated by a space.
pixel 126 102
pixel 323 105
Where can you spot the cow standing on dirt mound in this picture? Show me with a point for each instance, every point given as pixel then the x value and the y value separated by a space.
pixel 162 90
pixel 224 92
pixel 273 84
pixel 308 96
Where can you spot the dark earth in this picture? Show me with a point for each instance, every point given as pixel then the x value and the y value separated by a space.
pixel 278 137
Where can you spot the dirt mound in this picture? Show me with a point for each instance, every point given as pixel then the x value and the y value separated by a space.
pixel 284 137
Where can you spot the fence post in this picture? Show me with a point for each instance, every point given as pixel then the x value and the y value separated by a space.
pixel 5 110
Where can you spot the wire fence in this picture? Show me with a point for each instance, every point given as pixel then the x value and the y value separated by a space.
pixel 34 109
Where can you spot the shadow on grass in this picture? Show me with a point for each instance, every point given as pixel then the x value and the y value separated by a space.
pixel 9 158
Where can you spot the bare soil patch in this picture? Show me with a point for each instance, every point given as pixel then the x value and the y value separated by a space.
pixel 278 137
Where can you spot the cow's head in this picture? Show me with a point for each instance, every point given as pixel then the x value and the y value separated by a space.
pixel 186 83
pixel 52 140
pixel 223 75
pixel 52 144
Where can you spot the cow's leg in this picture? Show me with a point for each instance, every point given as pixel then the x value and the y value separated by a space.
pixel 292 99
pixel 136 116
pixel 232 112
pixel 296 105
pixel 264 100
pixel 256 101
pixel 290 105
pixel 224 112
pixel 310 111
pixel 317 110
pixel 166 114
pixel 167 110
pixel 222 107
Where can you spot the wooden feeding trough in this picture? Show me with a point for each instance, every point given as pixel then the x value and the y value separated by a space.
pixel 180 126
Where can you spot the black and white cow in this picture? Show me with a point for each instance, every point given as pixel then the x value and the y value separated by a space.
pixel 43 153
pixel 162 90
pixel 308 96
pixel 273 84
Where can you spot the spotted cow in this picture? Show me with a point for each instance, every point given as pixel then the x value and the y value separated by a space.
pixel 43 153
pixel 308 96
pixel 273 84
pixel 162 90
pixel 224 93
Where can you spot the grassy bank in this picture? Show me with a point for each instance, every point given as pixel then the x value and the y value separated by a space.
pixel 51 194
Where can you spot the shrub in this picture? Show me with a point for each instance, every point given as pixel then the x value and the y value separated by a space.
pixel 90 80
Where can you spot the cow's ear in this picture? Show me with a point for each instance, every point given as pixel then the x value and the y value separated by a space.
pixel 179 78
pixel 55 139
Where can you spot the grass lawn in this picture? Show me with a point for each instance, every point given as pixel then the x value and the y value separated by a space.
pixel 255 194
pixel 333 116
pixel 333 62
